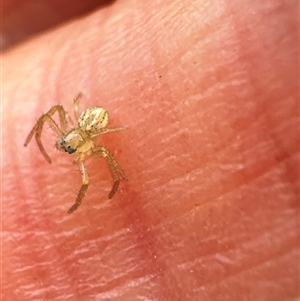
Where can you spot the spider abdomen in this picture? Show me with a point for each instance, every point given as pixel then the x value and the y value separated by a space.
pixel 93 120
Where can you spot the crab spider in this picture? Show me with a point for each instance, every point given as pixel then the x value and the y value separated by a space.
pixel 79 141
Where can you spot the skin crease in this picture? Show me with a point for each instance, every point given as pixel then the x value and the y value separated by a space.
pixel 210 211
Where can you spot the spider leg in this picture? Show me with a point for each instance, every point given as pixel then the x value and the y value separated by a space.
pixel 37 129
pixel 62 117
pixel 116 171
pixel 112 129
pixel 83 189
pixel 76 103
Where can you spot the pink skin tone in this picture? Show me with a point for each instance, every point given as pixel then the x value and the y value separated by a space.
pixel 210 212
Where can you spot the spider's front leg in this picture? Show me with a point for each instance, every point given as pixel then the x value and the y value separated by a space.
pixel 116 171
pixel 76 104
pixel 38 128
pixel 83 189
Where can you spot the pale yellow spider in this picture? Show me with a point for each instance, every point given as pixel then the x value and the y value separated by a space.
pixel 80 141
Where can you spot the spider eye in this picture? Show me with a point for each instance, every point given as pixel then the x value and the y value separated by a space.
pixel 70 150
pixel 67 148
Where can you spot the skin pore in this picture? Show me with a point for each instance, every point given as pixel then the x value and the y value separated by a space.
pixel 210 212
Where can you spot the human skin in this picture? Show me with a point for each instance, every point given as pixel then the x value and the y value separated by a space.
pixel 210 211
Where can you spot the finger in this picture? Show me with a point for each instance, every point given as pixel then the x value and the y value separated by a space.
pixel 211 205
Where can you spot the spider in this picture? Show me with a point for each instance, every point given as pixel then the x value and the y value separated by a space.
pixel 80 141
